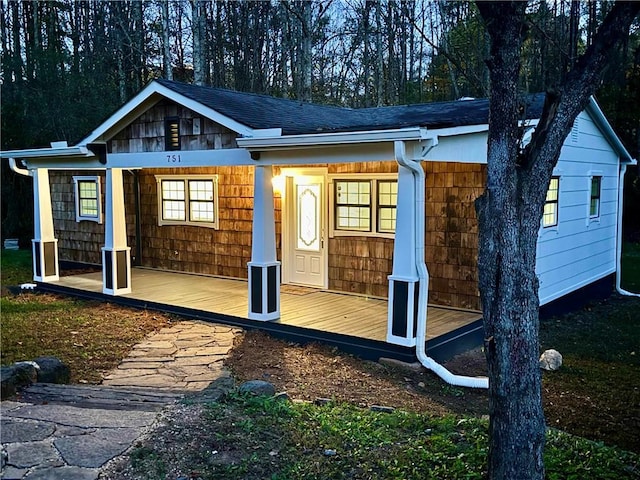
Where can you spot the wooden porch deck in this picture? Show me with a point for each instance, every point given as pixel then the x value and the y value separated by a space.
pixel 343 314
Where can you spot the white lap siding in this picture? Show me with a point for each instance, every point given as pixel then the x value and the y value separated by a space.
pixel 580 250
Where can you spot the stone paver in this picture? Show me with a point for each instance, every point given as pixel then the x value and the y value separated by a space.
pixel 158 361
pixel 65 442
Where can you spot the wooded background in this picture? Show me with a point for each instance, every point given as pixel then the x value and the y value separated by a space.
pixel 67 65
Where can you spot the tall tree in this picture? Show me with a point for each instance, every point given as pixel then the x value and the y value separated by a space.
pixel 509 214
pixel 199 45
pixel 167 68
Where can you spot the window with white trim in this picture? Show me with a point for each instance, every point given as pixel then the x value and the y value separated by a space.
pixel 88 198
pixel 364 206
pixel 188 200
pixel 594 203
pixel 550 214
pixel 353 205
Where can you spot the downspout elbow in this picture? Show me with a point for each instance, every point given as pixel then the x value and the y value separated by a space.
pixel 423 275
pixel 619 289
pixel 13 165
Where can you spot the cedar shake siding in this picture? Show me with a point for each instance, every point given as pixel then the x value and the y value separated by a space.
pixel 146 133
pixel 82 241
pixel 357 264
pixel 361 264
pixel 451 244
pixel 224 251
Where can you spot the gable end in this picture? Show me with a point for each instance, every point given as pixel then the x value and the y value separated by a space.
pixel 147 132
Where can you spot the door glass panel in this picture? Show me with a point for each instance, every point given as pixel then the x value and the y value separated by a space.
pixel 308 228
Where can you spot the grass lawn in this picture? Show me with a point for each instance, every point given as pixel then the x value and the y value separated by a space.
pixel 91 337
pixel 631 267
pixel 253 438
pixel 594 395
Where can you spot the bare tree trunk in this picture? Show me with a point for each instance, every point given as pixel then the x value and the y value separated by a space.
pixel 16 64
pixel 139 74
pixel 509 214
pixel 198 26
pixel 306 64
pixel 379 57
pixel 507 247
pixel 166 46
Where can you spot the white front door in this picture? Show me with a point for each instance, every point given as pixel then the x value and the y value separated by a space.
pixel 306 243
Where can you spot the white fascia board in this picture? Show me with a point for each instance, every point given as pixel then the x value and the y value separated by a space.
pixel 48 153
pixel 130 110
pixel 150 96
pixel 466 129
pixel 339 138
pixel 601 121
pixel 134 161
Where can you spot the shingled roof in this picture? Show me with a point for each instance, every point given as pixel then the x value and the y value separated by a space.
pixel 295 117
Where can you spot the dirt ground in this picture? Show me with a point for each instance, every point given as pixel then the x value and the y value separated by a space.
pixel 316 371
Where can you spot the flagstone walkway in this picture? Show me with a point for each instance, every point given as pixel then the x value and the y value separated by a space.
pixel 185 357
pixel 62 432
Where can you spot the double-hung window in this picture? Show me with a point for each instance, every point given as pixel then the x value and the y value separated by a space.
pixel 88 198
pixel 550 215
pixel 364 206
pixel 188 200
pixel 387 201
pixel 353 205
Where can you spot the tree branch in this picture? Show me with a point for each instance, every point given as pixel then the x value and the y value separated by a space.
pixel 580 83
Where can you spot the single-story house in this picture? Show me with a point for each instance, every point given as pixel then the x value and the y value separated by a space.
pixel 294 212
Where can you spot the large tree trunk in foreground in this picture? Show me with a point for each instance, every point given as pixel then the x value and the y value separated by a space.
pixel 509 214
pixel 509 292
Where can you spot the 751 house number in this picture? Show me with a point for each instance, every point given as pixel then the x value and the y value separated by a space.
pixel 173 158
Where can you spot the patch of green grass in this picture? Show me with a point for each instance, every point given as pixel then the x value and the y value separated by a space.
pixel 599 378
pixel 304 441
pixel 90 337
pixel 16 267
pixel 631 267
pixel 606 332
pixel 145 460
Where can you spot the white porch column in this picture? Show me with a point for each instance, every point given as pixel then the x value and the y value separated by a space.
pixel 264 268
pixel 403 281
pixel 44 243
pixel 116 255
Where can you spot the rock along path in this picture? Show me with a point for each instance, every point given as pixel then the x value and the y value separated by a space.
pixel 59 432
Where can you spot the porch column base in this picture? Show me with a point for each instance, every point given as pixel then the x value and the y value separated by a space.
pixel 402 318
pixel 45 260
pixel 264 290
pixel 116 271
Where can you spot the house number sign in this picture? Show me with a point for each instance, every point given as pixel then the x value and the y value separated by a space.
pixel 173 158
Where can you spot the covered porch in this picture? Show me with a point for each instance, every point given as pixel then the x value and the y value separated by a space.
pixel 355 323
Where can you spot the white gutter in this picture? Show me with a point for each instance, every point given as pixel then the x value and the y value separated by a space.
pixel 20 171
pixel 620 290
pixel 423 275
pixel 77 151
pixel 338 138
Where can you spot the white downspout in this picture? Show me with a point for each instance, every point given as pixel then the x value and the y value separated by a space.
pixel 423 275
pixel 20 171
pixel 620 290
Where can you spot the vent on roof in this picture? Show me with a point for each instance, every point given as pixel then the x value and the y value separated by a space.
pixel 172 133
pixel 574 131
